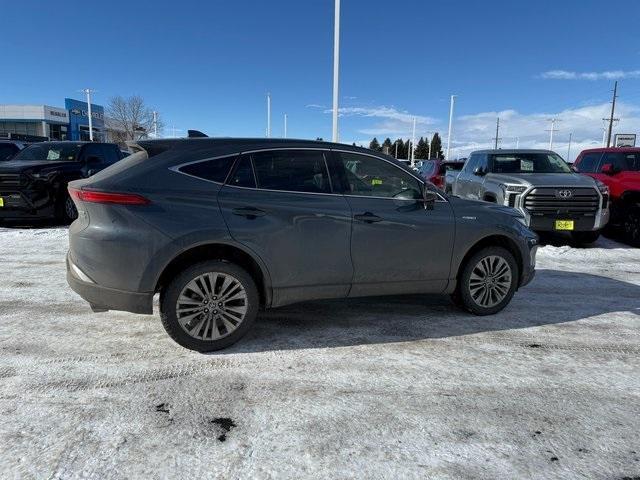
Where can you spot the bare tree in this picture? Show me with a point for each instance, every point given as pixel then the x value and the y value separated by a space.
pixel 130 119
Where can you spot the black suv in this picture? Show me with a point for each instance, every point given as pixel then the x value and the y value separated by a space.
pixel 33 183
pixel 223 227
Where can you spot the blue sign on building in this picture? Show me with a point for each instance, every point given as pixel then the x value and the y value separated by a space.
pixel 79 120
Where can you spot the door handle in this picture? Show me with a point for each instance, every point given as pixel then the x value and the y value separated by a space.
pixel 367 217
pixel 249 212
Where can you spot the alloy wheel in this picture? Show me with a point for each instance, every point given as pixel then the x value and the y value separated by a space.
pixel 490 281
pixel 211 306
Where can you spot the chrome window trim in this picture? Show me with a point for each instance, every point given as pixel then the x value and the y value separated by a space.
pixel 176 169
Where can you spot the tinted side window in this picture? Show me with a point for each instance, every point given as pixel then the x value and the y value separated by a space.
pixel 589 162
pixel 111 153
pixel 373 177
pixel 621 162
pixel 483 162
pixel 242 175
pixel 7 150
pixel 292 170
pixel 93 150
pixel 215 170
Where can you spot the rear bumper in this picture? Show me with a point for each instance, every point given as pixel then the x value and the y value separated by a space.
pixel 102 298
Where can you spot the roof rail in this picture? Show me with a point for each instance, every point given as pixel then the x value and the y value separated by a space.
pixel 196 134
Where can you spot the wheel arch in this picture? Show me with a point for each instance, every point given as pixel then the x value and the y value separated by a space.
pixel 490 197
pixel 219 251
pixel 496 240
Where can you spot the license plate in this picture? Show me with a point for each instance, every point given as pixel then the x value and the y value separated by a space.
pixel 1 202
pixel 564 224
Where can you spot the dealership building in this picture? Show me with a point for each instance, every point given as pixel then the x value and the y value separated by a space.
pixel 55 123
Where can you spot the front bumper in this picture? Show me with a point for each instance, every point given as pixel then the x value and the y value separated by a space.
pixel 102 298
pixel 25 204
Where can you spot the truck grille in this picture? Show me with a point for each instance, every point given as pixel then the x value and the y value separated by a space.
pixel 560 200
pixel 11 180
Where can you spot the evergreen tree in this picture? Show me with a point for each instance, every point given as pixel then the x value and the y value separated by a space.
pixel 387 146
pixel 436 147
pixel 375 145
pixel 422 149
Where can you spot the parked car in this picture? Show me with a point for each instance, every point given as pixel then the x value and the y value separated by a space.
pixel 619 169
pixel 33 184
pixel 223 227
pixel 541 186
pixel 436 170
pixel 8 148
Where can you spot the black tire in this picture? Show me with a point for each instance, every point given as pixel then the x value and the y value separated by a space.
pixel 66 211
pixel 169 299
pixel 463 295
pixel 585 238
pixel 631 225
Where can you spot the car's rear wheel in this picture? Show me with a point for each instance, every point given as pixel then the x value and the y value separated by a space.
pixel 66 211
pixel 487 282
pixel 209 306
pixel 585 238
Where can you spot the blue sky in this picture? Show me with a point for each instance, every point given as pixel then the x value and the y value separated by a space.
pixel 209 65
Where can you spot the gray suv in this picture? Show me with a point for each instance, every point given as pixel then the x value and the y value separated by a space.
pixel 540 184
pixel 221 228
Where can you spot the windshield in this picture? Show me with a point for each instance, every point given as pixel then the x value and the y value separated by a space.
pixel 55 152
pixel 528 163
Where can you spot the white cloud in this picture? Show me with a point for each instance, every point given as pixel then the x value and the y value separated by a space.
pixel 606 75
pixel 315 105
pixel 387 113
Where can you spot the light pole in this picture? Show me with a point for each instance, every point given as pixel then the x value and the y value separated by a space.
pixel 413 142
pixel 569 147
pixel 453 99
pixel 336 67
pixel 87 92
pixel 285 125
pixel 268 115
pixel 155 124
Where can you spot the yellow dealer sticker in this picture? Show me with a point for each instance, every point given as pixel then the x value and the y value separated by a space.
pixel 1 202
pixel 564 224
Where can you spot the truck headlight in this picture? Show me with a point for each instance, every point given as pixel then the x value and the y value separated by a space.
pixel 604 190
pixel 514 188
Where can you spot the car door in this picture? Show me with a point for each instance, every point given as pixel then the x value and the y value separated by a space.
pixel 280 204
pixel 397 245
pixel 461 186
pixel 623 171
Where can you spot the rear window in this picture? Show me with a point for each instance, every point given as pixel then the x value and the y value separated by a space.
pixel 215 170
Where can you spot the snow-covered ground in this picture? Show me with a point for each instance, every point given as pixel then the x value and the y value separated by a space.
pixel 402 387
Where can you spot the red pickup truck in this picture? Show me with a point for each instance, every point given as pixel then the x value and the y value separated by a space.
pixel 618 169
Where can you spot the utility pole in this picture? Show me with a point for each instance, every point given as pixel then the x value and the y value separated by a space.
pixel 551 130
pixel 396 149
pixel 497 133
pixel 268 115
pixel 569 147
pixel 336 66
pixel 453 99
pixel 613 108
pixel 285 125
pixel 413 142
pixel 429 155
pixel 605 129
pixel 88 92
pixel 517 142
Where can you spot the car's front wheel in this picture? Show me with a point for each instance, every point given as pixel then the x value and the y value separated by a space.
pixel 209 306
pixel 631 225
pixel 487 282
pixel 66 211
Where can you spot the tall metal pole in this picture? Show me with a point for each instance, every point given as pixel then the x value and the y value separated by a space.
pixel 88 93
pixel 497 131
pixel 396 149
pixel 551 131
pixel 336 67
pixel 429 147
pixel 268 115
pixel 413 142
pixel 155 124
pixel 613 108
pixel 517 142
pixel 453 99
pixel 569 147
pixel 285 125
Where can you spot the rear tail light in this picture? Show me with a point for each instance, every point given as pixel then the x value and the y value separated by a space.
pixel 108 197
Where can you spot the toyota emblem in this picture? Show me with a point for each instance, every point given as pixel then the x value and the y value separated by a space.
pixel 564 193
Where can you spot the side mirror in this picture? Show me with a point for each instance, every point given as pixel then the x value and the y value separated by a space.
pixel 429 198
pixel 479 171
pixel 608 169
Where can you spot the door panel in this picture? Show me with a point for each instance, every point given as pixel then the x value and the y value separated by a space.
pixel 304 238
pixel 397 246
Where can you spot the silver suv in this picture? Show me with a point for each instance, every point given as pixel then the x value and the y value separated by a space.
pixel 541 185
